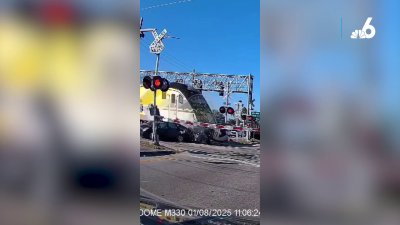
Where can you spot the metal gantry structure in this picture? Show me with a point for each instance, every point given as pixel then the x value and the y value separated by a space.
pixel 226 83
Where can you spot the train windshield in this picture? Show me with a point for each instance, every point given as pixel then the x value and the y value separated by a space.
pixel 201 109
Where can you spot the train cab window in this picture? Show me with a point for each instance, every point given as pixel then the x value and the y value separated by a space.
pixel 164 95
pixel 173 98
pixel 180 99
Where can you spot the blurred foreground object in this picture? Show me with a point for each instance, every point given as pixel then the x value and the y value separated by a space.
pixel 330 117
pixel 69 146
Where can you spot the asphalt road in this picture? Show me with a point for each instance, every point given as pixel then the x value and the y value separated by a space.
pixel 203 176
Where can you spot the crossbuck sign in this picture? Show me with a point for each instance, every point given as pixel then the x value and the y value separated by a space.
pixel 156 47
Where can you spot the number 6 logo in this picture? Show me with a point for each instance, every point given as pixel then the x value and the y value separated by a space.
pixel 367 32
pixel 368 26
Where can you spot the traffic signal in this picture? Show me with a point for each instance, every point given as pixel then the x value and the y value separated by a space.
pixel 157 82
pixel 230 110
pixel 147 82
pixel 243 117
pixel 222 109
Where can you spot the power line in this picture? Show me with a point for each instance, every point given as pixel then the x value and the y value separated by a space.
pixel 184 65
pixel 165 4
pixel 172 63
pixel 170 59
pixel 144 47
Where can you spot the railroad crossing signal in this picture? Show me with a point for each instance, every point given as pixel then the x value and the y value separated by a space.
pixel 157 46
pixel 224 109
pixel 155 83
pixel 147 82
pixel 230 110
pixel 238 84
pixel 246 117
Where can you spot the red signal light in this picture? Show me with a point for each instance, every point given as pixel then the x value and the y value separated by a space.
pixel 250 118
pixel 157 82
pixel 230 110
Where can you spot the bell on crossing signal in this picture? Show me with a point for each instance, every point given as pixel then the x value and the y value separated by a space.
pixel 157 82
pixel 230 110
pixel 222 109
pixel 147 82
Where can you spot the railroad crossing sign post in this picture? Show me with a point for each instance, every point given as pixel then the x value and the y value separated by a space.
pixel 156 47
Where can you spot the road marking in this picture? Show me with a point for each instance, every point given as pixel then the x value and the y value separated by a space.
pixel 226 159
pixel 208 157
pixel 152 159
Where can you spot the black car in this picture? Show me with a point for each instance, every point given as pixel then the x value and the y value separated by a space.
pixel 167 131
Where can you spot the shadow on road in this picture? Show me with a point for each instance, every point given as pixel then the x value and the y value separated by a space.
pixel 155 153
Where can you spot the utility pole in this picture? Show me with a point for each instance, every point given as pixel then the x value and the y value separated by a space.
pixel 227 101
pixel 249 95
pixel 156 47
pixel 155 138
pixel 250 101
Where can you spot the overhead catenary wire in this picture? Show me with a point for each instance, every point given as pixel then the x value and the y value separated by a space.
pixel 164 59
pixel 165 4
pixel 168 58
pixel 174 59
pixel 144 47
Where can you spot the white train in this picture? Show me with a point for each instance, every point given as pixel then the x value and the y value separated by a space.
pixel 179 102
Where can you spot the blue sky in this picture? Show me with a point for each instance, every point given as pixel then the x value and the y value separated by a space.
pixel 320 58
pixel 215 37
pixel 390 53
